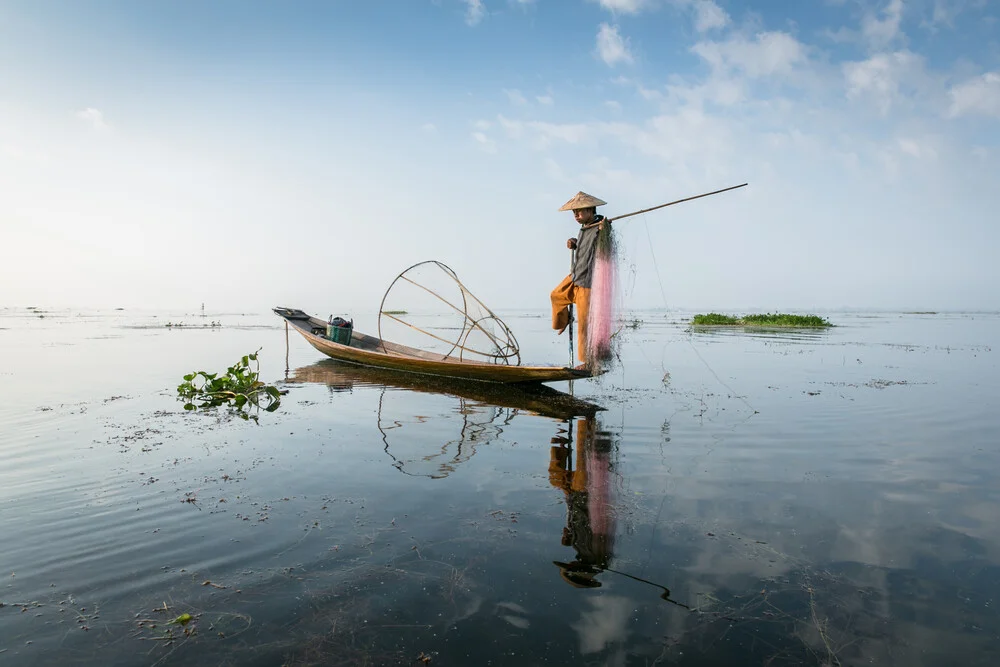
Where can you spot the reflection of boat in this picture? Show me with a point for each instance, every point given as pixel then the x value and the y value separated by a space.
pixel 372 351
pixel 532 397
pixel 412 422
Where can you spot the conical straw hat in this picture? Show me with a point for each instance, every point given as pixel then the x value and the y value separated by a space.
pixel 582 200
pixel 578 575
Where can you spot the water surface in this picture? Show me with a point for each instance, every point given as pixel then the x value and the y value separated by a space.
pixel 723 496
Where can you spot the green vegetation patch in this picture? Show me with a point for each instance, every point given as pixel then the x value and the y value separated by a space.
pixel 239 388
pixel 761 320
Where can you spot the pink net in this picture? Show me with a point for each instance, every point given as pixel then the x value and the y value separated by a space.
pixel 601 315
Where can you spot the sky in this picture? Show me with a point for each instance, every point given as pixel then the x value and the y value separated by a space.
pixel 248 154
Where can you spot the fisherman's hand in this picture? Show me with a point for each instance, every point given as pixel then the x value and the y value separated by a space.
pixel 571 244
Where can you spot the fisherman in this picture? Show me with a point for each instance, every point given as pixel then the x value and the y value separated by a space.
pixel 575 288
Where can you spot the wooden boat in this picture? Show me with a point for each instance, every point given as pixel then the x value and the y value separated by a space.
pixel 535 398
pixel 366 350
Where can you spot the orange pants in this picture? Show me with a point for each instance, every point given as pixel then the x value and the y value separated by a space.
pixel 562 296
pixel 562 473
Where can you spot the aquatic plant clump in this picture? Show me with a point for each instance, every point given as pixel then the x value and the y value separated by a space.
pixel 761 320
pixel 239 387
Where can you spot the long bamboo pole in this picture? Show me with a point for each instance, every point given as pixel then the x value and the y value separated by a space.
pixel 647 210
pixel 572 352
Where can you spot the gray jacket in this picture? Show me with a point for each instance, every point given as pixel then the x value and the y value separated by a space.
pixel 586 247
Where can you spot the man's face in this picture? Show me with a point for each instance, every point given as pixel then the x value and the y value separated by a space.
pixel 583 215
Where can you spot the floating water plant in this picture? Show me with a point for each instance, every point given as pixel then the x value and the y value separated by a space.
pixel 759 320
pixel 239 388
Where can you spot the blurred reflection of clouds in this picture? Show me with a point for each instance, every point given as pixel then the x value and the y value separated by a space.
pixel 604 624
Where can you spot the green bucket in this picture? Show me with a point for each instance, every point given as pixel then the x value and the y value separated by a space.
pixel 340 335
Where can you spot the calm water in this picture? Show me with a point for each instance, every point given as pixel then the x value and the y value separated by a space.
pixel 773 498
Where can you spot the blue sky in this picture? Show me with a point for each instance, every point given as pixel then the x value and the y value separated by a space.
pixel 250 154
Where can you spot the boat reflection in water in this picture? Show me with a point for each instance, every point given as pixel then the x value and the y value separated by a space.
pixel 430 447
pixel 420 440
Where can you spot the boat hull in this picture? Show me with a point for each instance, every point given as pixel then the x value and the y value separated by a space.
pixel 370 351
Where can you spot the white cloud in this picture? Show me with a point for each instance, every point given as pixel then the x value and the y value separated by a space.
pixel 716 90
pixel 915 148
pixel 880 32
pixel 541 135
pixel 482 124
pixel 571 133
pixel 611 47
pixel 624 6
pixel 613 105
pixel 485 142
pixel 429 128
pixel 877 31
pixel 645 93
pixel 475 11
pixel 512 127
pixel 648 93
pixel 842 35
pixel 980 95
pixel 545 100
pixel 678 137
pixel 94 117
pixel 767 54
pixel 946 11
pixel 880 77
pixel 515 97
pixel 709 16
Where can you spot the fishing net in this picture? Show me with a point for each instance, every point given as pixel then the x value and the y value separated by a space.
pixel 602 314
pixel 428 308
pixel 431 435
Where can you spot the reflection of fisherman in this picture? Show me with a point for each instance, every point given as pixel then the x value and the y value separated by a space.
pixel 590 525
pixel 575 288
